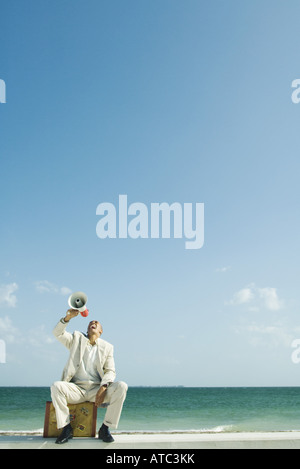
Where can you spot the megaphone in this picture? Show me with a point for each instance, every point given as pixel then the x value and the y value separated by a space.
pixel 78 300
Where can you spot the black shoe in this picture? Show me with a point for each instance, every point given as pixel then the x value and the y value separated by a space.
pixel 105 435
pixel 65 436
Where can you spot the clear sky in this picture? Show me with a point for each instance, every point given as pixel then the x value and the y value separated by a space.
pixel 164 101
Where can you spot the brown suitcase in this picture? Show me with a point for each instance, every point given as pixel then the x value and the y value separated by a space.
pixel 83 418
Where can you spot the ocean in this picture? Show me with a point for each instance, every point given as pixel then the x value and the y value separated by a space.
pixel 165 409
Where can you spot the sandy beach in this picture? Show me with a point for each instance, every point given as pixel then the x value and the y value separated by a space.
pixel 170 441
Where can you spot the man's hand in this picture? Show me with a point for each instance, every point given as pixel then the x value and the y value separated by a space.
pixel 71 313
pixel 100 396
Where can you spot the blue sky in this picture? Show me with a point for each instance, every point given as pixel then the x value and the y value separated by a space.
pixel 165 101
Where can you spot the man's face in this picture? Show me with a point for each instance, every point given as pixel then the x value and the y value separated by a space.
pixel 94 327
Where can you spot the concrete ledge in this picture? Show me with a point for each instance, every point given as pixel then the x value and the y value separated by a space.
pixel 172 441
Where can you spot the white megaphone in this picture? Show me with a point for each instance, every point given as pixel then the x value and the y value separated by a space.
pixel 78 300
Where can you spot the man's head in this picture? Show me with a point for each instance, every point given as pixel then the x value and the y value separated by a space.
pixel 94 328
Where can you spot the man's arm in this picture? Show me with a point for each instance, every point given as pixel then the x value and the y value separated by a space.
pixel 109 368
pixel 109 377
pixel 60 329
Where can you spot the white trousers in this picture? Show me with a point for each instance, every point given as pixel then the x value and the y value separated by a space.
pixel 64 393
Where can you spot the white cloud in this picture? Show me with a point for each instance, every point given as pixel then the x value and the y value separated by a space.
pixel 7 298
pixel 65 291
pixel 266 335
pixel 270 298
pixel 243 296
pixel 36 337
pixel 257 298
pixel 223 269
pixel 8 331
pixel 43 286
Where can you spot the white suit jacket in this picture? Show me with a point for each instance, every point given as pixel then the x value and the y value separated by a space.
pixel 77 343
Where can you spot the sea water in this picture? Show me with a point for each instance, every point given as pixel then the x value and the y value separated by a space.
pixel 165 409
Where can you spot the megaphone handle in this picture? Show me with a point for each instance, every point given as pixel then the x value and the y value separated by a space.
pixel 84 313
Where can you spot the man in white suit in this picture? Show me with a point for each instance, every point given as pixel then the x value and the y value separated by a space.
pixel 88 376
